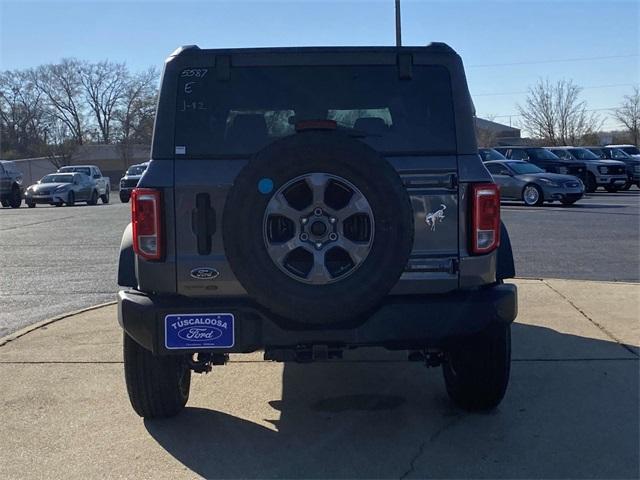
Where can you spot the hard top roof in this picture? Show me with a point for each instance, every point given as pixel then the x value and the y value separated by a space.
pixel 433 47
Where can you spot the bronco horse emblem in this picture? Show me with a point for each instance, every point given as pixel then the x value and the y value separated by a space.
pixel 434 217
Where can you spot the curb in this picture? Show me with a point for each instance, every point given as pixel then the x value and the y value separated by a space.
pixel 613 282
pixel 23 331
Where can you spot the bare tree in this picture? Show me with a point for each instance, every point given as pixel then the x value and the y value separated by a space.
pixel 52 109
pixel 105 84
pixel 138 107
pixel 555 113
pixel 22 114
pixel 629 114
pixel 61 85
pixel 60 145
pixel 137 114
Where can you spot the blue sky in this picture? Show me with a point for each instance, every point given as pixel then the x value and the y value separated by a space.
pixel 523 41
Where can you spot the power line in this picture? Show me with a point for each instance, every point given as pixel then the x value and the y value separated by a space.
pixel 525 92
pixel 559 60
pixel 587 110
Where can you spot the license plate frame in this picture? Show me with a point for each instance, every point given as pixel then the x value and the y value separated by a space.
pixel 198 331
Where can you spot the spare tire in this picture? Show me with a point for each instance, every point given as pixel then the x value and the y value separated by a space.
pixel 318 227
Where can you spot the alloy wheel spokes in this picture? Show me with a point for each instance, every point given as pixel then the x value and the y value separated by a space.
pixel 356 250
pixel 318 228
pixel 279 205
pixel 357 204
pixel 319 273
pixel 279 251
pixel 317 182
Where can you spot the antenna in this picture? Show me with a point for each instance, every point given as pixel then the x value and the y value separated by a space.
pixel 398 25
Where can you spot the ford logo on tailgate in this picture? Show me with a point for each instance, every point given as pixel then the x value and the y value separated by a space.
pixel 204 273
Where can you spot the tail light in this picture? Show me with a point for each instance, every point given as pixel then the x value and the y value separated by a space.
pixel 146 219
pixel 485 211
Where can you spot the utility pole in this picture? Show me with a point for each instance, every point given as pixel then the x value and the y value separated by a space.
pixel 398 25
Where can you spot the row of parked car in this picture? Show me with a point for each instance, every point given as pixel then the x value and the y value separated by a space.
pixel 70 184
pixel 545 174
pixel 67 186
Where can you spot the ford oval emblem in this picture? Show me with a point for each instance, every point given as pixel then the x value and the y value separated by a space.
pixel 193 334
pixel 204 273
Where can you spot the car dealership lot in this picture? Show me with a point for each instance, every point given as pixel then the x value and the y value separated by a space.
pixel 575 349
pixel 55 260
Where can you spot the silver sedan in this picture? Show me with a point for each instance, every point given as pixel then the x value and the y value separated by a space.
pixel 525 181
pixel 62 188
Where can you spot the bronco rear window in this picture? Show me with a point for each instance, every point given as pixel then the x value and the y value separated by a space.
pixel 258 105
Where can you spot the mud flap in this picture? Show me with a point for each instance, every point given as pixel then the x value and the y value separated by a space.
pixel 126 261
pixel 505 266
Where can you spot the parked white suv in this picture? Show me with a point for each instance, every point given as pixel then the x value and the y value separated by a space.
pixel 630 150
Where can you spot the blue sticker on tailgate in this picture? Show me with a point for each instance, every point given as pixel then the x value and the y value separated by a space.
pixel 198 330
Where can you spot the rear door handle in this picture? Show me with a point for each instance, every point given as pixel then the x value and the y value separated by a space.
pixel 203 223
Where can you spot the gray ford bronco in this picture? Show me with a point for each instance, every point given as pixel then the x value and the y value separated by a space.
pixel 308 201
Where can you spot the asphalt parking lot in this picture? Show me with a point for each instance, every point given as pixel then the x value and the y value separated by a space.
pixel 596 239
pixel 56 260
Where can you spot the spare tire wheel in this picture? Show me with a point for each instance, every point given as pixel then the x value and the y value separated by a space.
pixel 318 227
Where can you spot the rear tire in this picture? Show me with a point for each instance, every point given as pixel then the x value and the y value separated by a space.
pixel 5 203
pixel 94 198
pixel 124 197
pixel 158 386
pixel 16 198
pixel 626 186
pixel 71 199
pixel 105 197
pixel 31 205
pixel 476 368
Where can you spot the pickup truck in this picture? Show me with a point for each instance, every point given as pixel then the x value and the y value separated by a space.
pixel 102 184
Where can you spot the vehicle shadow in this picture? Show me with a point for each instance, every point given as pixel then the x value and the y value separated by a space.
pixel 571 411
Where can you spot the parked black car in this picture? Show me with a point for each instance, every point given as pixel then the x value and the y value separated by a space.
pixel 130 180
pixel 544 159
pixel 616 153
pixel 11 188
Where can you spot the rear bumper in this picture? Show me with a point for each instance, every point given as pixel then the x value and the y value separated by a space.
pixel 401 322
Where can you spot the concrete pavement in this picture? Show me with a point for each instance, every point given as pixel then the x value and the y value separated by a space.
pixel 571 410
